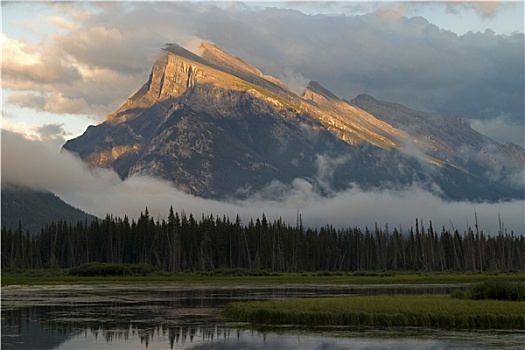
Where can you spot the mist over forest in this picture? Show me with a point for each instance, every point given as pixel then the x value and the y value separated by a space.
pixel 100 191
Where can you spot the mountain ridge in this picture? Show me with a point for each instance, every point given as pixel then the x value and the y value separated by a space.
pixel 34 209
pixel 450 139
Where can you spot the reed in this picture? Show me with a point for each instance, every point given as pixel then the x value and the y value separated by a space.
pixel 440 311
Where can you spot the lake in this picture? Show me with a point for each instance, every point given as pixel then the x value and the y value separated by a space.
pixel 174 317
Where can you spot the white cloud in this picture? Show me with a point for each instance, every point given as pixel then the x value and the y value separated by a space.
pixel 326 167
pixel 18 51
pixel 53 135
pixel 52 102
pixel 100 191
pixel 25 64
pixel 295 81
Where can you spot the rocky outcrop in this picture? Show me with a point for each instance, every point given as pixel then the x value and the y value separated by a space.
pixel 351 124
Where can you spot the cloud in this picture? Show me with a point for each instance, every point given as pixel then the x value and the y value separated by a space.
pixel 97 58
pixel 20 52
pixel 392 11
pixel 7 115
pixel 501 128
pixel 483 8
pixel 102 47
pixel 326 167
pixel 52 133
pixel 295 81
pixel 25 64
pixel 61 22
pixel 38 165
pixel 100 191
pixel 52 136
pixel 53 102
pixel 101 55
pixel 359 208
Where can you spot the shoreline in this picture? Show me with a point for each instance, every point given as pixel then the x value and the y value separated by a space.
pixel 61 277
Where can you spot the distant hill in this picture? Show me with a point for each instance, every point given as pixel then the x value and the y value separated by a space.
pixel 35 209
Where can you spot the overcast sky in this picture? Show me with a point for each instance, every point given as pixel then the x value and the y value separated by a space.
pixel 67 65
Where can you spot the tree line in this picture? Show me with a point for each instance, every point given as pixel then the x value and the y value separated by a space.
pixel 183 243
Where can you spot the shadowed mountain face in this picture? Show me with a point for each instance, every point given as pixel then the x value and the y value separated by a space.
pixel 450 140
pixel 35 209
pixel 217 127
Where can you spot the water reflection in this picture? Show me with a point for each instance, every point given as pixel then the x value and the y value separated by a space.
pixel 181 337
pixel 166 317
pixel 226 338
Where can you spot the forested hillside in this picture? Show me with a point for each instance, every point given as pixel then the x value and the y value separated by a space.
pixel 35 209
pixel 183 243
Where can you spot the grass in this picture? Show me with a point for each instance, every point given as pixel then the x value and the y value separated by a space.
pixel 438 311
pixel 494 290
pixel 107 269
pixel 245 277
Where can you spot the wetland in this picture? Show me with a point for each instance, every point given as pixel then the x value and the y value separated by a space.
pixel 189 316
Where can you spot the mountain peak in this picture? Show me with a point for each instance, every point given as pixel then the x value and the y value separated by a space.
pixel 216 55
pixel 178 50
pixel 364 97
pixel 222 60
pixel 314 88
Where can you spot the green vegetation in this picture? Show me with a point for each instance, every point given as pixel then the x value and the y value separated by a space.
pixel 494 290
pixel 250 277
pixel 439 311
pixel 104 269
pixel 35 209
pixel 184 244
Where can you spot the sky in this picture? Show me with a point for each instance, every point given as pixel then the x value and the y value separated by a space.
pixel 67 65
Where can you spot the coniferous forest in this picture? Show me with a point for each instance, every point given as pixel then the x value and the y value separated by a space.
pixel 184 243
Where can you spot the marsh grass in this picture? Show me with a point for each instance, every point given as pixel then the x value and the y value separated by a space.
pixel 493 290
pixel 107 269
pixel 498 290
pixel 439 311
pixel 253 277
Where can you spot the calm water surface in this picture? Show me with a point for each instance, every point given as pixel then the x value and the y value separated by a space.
pixel 170 317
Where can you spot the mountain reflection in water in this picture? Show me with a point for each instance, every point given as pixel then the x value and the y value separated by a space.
pixel 167 317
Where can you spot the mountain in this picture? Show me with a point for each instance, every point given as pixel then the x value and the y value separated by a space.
pixel 34 209
pixel 218 127
pixel 450 140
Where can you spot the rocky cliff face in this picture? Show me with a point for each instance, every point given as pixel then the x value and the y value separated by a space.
pixel 217 127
